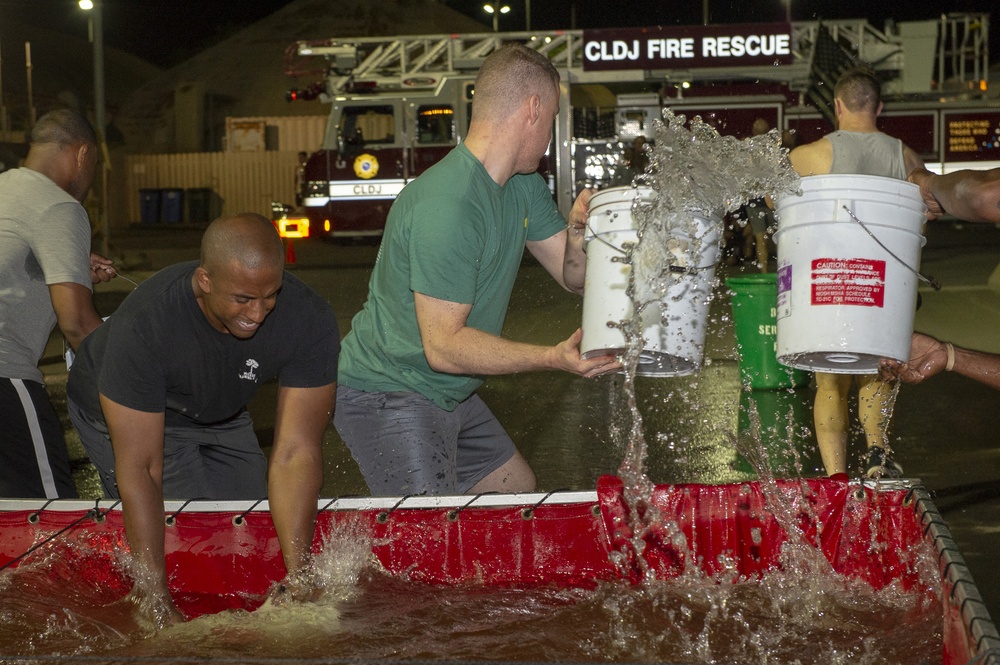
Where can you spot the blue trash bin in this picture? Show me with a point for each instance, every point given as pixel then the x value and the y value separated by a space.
pixel 149 206
pixel 171 206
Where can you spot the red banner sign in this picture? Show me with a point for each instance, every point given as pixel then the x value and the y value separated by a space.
pixel 687 47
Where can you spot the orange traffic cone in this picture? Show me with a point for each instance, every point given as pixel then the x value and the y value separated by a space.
pixel 290 254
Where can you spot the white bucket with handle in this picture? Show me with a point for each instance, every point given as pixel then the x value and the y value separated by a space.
pixel 848 268
pixel 673 329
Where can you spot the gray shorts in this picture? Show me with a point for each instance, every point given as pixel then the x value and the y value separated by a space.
pixel 407 444
pixel 221 462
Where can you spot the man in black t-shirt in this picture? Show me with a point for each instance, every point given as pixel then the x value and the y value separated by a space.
pixel 159 396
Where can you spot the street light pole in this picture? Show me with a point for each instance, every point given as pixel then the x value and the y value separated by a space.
pixel 96 26
pixel 496 9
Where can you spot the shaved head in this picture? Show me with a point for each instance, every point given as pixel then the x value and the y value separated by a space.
pixel 859 89
pixel 245 238
pixel 509 76
pixel 62 128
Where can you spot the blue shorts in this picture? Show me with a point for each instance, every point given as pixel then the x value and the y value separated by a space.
pixel 407 444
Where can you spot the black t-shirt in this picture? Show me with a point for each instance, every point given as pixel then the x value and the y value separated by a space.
pixel 158 352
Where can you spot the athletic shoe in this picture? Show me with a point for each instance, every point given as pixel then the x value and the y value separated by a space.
pixel 880 465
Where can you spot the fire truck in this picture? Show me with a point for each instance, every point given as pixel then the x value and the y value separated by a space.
pixel 399 104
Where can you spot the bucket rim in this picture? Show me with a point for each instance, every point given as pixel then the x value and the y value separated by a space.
pixel 853 182
pixel 847 177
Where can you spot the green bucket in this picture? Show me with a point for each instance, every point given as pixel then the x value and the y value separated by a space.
pixel 755 319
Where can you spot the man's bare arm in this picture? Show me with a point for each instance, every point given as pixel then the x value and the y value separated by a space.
pixel 75 313
pixel 452 347
pixel 563 254
pixel 295 470
pixel 929 356
pixel 972 195
pixel 137 439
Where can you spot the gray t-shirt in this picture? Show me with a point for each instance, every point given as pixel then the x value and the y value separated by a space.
pixel 44 239
pixel 867 153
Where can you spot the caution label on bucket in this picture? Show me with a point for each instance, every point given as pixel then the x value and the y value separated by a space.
pixel 859 282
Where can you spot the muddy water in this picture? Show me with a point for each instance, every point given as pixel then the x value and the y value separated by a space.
pixel 364 614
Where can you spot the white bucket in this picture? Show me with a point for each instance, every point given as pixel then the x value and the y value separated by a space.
pixel 845 299
pixel 673 332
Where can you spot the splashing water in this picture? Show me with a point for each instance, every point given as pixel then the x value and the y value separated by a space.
pixel 696 172
pixel 696 176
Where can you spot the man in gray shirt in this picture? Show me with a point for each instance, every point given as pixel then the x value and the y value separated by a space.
pixel 46 277
pixel 857 147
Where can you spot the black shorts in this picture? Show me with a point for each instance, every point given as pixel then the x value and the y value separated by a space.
pixel 33 458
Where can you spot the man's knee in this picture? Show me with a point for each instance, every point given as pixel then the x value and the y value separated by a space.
pixel 515 475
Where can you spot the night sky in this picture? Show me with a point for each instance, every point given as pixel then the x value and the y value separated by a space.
pixel 168 31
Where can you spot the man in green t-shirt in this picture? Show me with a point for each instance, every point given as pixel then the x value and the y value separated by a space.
pixel 438 296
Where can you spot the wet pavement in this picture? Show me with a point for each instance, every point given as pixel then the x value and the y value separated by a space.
pixel 571 430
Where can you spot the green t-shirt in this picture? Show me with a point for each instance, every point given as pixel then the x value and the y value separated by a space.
pixel 452 234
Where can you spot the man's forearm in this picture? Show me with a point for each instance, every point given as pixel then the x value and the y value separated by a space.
pixel 978 365
pixel 575 261
pixel 969 194
pixel 473 351
pixel 142 504
pixel 294 487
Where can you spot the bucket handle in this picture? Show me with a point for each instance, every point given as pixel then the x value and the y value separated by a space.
pixel 926 279
pixel 672 268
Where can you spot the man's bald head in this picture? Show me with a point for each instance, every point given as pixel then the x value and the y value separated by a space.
pixel 247 238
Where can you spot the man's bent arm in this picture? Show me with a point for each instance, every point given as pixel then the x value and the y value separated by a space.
pixel 563 254
pixel 929 356
pixel 74 307
pixel 452 347
pixel 137 439
pixel 969 194
pixel 295 471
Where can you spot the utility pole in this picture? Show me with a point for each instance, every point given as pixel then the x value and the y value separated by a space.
pixel 4 119
pixel 31 99
pixel 95 23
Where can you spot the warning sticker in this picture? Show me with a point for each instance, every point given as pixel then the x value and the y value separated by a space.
pixel 858 282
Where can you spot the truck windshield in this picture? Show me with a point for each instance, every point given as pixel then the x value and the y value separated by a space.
pixel 435 124
pixel 368 124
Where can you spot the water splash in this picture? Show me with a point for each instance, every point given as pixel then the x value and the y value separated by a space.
pixel 696 176
pixel 696 172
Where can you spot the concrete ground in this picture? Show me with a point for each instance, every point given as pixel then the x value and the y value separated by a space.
pixel 943 431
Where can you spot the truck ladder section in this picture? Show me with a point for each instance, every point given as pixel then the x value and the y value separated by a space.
pixel 960 65
pixel 409 62
pixel 963 51
pixel 401 63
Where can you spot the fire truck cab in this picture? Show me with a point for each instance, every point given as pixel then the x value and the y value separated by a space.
pixel 374 147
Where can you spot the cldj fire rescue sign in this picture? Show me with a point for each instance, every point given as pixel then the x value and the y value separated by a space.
pixel 741 45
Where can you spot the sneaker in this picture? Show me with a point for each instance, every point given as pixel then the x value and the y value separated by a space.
pixel 880 465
